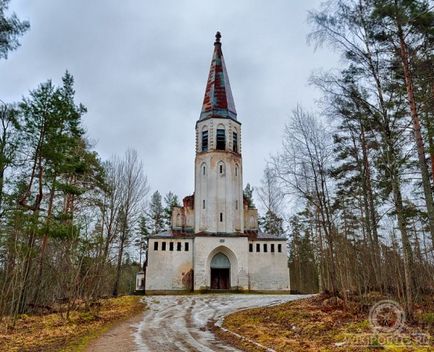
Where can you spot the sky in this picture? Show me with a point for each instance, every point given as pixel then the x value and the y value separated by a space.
pixel 141 67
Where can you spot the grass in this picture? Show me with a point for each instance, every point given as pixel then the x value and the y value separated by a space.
pixel 51 332
pixel 319 324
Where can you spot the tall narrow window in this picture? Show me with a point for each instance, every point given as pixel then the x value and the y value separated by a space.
pixel 178 246
pixel 258 247
pixel 236 170
pixel 279 248
pixel 163 246
pixel 204 170
pixel 221 168
pixel 236 205
pixel 171 246
pixel 203 204
pixel 186 246
pixel 204 141
pixel 155 246
pixel 221 139
pixel 250 247
pixel 265 248
pixel 235 142
pixel 221 217
pixel 272 248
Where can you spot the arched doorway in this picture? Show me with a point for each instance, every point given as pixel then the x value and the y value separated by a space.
pixel 220 272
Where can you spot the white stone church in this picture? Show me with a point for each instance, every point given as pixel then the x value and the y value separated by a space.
pixel 215 242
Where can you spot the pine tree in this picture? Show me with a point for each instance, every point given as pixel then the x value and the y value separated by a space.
pixel 156 213
pixel 248 195
pixel 271 224
pixel 11 28
pixel 170 201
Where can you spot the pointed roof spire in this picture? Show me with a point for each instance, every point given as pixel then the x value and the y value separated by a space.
pixel 218 100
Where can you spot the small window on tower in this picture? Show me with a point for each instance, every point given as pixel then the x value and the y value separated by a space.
pixel 272 248
pixel 258 247
pixel 236 171
pixel 279 248
pixel 163 246
pixel 221 139
pixel 155 246
pixel 186 246
pixel 178 246
pixel 204 141
pixel 235 142
pixel 236 205
pixel 204 170
pixel 221 168
pixel 250 247
pixel 203 204
pixel 265 248
pixel 171 246
pixel 221 217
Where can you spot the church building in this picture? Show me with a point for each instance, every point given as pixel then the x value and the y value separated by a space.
pixel 214 242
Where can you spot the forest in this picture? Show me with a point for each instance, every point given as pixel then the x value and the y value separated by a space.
pixel 352 186
pixel 361 169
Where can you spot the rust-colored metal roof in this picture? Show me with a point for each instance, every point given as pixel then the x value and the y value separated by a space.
pixel 218 100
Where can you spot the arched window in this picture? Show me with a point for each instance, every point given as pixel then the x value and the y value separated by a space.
pixel 203 169
pixel 221 168
pixel 220 261
pixel 221 138
pixel 235 142
pixel 236 170
pixel 205 139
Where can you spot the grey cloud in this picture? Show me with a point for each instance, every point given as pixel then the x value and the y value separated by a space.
pixel 141 68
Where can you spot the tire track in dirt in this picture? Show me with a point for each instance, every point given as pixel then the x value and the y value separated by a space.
pixel 179 323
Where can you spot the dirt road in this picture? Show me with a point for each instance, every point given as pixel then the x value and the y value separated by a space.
pixel 179 323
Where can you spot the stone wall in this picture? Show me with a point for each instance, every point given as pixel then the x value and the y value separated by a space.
pixel 268 271
pixel 169 269
pixel 218 195
pixel 235 248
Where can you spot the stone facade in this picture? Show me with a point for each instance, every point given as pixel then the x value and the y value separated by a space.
pixel 214 241
pixel 253 267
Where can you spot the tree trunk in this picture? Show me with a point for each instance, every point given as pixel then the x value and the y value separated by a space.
pixel 408 79
pixel 118 267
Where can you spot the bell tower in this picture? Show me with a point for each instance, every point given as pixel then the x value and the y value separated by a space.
pixel 218 195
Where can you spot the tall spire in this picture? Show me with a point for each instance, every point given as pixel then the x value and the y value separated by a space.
pixel 218 100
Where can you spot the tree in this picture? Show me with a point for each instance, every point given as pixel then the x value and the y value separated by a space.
pixel 302 262
pixel 11 28
pixel 271 197
pixel 156 213
pixel 134 188
pixel 170 201
pixel 302 167
pixel 9 145
pixel 143 236
pixel 377 82
pixel 402 26
pixel 271 224
pixel 248 195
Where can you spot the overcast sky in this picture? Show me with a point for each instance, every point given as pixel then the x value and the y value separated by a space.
pixel 141 67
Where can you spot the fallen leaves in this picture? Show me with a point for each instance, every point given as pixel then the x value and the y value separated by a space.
pixel 51 332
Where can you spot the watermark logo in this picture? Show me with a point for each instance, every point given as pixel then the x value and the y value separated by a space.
pixel 387 322
pixel 387 317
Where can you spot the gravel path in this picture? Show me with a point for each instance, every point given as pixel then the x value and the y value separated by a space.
pixel 179 323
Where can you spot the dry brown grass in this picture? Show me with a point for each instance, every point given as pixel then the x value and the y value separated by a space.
pixel 51 332
pixel 317 324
